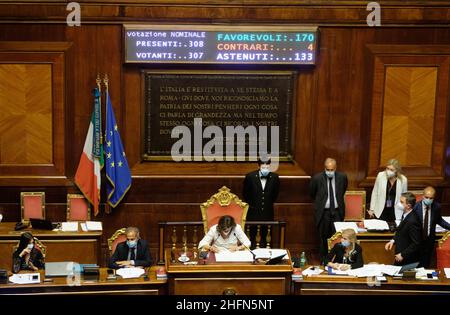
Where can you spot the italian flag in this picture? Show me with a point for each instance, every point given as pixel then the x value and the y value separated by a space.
pixel 87 177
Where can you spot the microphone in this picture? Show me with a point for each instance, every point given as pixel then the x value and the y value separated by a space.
pixel 246 247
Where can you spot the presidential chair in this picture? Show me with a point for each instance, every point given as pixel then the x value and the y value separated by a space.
pixel 418 194
pixel 443 251
pixel 355 205
pixel 224 202
pixel 32 205
pixel 118 237
pixel 334 239
pixel 78 208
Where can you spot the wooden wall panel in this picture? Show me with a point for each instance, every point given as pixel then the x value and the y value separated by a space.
pixel 25 114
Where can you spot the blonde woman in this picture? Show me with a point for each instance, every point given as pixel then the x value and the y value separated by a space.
pixel 347 254
pixel 389 186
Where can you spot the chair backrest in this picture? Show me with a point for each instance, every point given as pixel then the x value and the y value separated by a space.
pixel 38 244
pixel 32 205
pixel 334 239
pixel 78 208
pixel 418 194
pixel 355 205
pixel 223 203
pixel 443 251
pixel 118 237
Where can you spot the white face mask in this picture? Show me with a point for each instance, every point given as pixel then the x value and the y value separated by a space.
pixel 400 206
pixel 30 246
pixel 390 173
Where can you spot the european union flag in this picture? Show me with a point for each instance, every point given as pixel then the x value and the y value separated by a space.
pixel 117 170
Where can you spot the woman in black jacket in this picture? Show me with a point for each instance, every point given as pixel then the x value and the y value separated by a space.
pixel 27 256
pixel 347 254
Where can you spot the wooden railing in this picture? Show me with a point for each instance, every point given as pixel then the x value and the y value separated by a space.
pixel 186 235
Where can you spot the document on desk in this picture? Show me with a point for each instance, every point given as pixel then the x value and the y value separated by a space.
pixel 238 256
pixel 371 270
pixel 128 273
pixel 94 225
pixel 339 226
pixel 268 253
pixel 69 226
pixel 440 229
pixel 390 270
pixel 375 224
pixel 312 271
pixel 447 272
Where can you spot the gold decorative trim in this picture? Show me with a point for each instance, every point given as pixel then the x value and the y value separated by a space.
pixel 444 239
pixel 224 198
pixel 363 208
pixel 114 237
pixel 334 237
pixel 69 204
pixel 30 194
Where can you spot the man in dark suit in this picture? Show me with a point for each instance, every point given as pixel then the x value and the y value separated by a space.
pixel 328 210
pixel 408 235
pixel 429 213
pixel 260 192
pixel 133 252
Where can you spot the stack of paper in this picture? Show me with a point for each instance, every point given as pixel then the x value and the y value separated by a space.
pixel 311 271
pixel 237 256
pixel 339 226
pixel 440 229
pixel 375 224
pixel 128 273
pixel 94 226
pixel 69 226
pixel 447 272
pixel 268 253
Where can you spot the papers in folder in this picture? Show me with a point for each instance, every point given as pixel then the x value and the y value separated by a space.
pixel 94 226
pixel 440 229
pixel 447 272
pixel 339 226
pixel 128 273
pixel 69 226
pixel 238 256
pixel 269 253
pixel 375 224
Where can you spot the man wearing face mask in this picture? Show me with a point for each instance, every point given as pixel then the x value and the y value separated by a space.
pixel 260 192
pixel 327 189
pixel 429 213
pixel 131 253
pixel 408 235
pixel 389 185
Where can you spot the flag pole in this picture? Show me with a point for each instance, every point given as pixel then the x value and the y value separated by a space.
pixel 105 82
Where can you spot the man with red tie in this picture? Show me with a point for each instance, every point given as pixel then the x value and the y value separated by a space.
pixel 429 213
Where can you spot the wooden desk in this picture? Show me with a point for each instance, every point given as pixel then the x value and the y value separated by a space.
pixel 213 278
pixel 373 246
pixel 344 285
pixel 61 286
pixel 81 247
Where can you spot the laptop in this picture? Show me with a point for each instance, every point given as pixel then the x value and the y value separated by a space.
pixel 59 269
pixel 275 260
pixel 40 224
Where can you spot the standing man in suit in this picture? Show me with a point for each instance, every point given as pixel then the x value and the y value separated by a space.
pixel 131 253
pixel 260 192
pixel 327 189
pixel 408 235
pixel 429 213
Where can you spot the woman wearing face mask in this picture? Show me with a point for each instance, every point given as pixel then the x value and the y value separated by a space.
pixel 27 256
pixel 389 185
pixel 346 254
pixel 225 235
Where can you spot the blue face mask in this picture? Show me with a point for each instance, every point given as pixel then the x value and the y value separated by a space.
pixel 427 202
pixel 131 244
pixel 345 243
pixel 330 174
pixel 264 172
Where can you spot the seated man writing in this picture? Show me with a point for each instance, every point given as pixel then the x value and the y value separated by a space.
pixel 133 252
pixel 224 235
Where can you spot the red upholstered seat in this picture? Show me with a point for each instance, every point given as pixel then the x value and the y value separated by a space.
pixel 119 236
pixel 32 205
pixel 418 194
pixel 443 251
pixel 355 205
pixel 223 203
pixel 78 208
